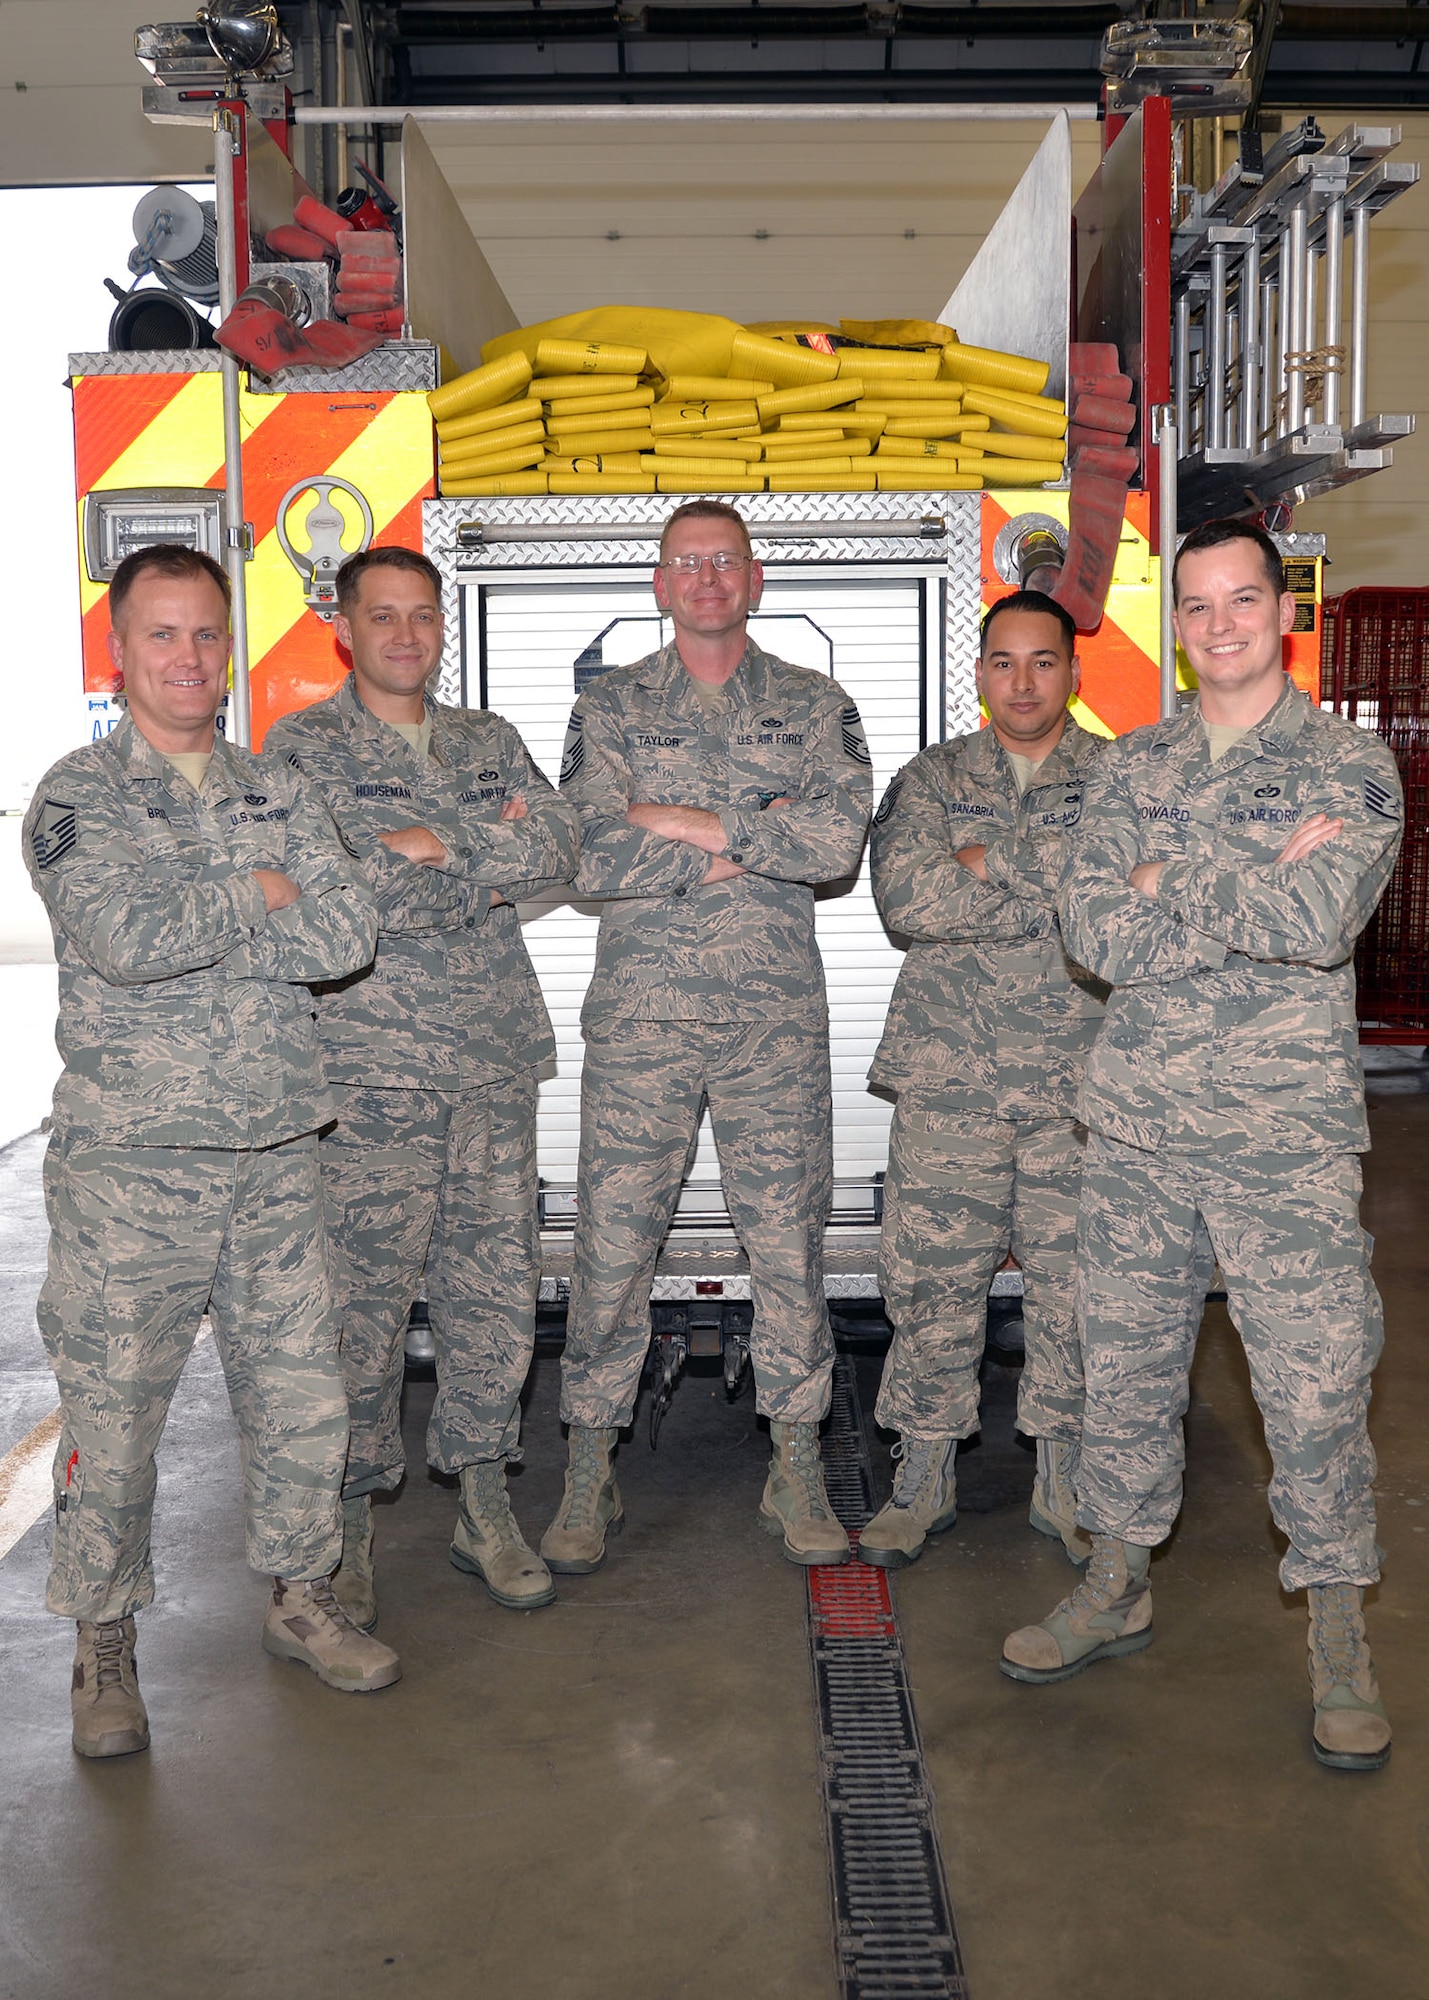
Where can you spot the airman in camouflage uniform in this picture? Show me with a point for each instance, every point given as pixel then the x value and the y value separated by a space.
pixel 715 785
pixel 189 906
pixel 433 1052
pixel 1228 859
pixel 986 1036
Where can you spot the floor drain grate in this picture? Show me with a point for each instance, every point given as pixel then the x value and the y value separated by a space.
pixel 894 1932
pixel 848 1475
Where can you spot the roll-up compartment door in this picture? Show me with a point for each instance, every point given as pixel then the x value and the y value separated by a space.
pixel 876 631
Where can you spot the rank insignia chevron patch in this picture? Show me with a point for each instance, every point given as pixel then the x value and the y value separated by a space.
pixel 1380 799
pixel 56 832
pixel 575 749
pixel 854 745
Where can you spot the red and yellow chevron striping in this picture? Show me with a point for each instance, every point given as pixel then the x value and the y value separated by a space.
pixel 167 430
pixel 1120 661
pixel 1120 675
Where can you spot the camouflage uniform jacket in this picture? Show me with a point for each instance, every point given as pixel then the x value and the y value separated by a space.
pixel 1232 1026
pixel 988 1005
pixel 184 1017
pixel 741 950
pixel 452 998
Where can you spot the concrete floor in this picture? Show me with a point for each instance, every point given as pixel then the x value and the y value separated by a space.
pixel 614 1799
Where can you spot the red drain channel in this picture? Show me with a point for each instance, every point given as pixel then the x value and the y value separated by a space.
pixel 851 1601
pixel 895 1934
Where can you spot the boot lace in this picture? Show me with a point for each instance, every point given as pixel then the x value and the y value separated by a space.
pixel 1103 1581
pixel 920 1464
pixel 488 1482
pixel 585 1476
pixel 803 1468
pixel 1337 1633
pixel 109 1643
pixel 318 1596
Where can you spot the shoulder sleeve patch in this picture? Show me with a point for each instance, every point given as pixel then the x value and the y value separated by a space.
pixel 574 757
pixel 854 744
pixel 1377 797
pixel 888 801
pixel 56 832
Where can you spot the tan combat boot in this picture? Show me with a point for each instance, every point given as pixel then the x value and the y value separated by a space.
pixel 354 1582
pixel 590 1508
pixel 1351 1727
pixel 795 1504
pixel 110 1719
pixel 923 1503
pixel 488 1543
pixel 1054 1504
pixel 1108 1614
pixel 307 1624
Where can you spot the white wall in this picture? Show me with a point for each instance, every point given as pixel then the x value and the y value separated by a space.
pixel 69 240
pixel 871 218
pixel 72 88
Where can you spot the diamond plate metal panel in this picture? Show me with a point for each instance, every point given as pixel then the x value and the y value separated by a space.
pixel 555 1290
pixel 149 361
pixel 960 545
pixel 633 510
pixel 674 1290
pixel 397 364
pixel 964 615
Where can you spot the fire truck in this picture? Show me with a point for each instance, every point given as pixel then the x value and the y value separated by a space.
pixel 1240 313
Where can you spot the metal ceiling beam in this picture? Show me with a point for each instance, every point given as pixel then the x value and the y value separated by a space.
pixel 396 38
pixel 420 27
pixel 448 22
pixel 1287 91
pixel 756 86
pixel 675 114
pixel 1354 24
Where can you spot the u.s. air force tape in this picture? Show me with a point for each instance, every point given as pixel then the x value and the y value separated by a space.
pixel 56 832
pixel 1380 799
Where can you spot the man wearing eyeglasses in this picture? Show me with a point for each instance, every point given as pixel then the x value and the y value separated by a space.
pixel 716 785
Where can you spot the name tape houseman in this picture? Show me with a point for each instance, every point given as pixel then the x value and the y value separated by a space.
pixel 432 1051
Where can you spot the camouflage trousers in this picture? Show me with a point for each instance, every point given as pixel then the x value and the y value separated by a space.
pixel 642 1093
pixel 963 1190
pixel 1296 1268
pixel 443 1181
pixel 143 1241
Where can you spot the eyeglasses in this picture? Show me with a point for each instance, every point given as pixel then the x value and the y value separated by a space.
pixel 721 564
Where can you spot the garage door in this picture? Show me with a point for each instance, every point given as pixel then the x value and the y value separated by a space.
pixel 526 642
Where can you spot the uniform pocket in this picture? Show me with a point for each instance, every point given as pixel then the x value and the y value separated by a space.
pixel 1282 1049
